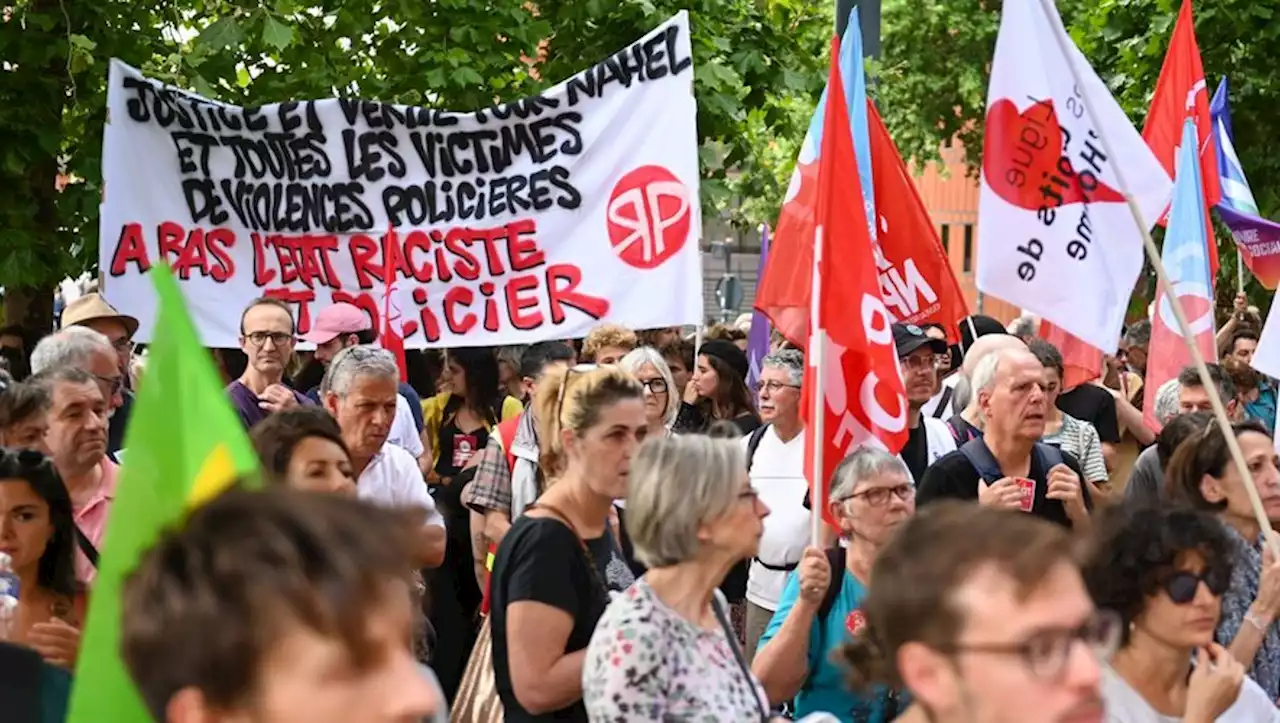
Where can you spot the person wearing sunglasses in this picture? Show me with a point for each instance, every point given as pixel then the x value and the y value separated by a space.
pixel 822 604
pixel 1164 571
pixel 559 561
pixel 981 615
pixel 1202 474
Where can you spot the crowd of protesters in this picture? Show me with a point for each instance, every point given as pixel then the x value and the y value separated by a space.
pixel 618 528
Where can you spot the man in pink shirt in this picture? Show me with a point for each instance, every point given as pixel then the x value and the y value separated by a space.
pixel 77 440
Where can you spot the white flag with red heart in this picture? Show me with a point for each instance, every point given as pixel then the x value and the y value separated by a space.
pixel 1055 235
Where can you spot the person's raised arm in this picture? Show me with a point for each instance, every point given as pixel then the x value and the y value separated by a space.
pixel 782 660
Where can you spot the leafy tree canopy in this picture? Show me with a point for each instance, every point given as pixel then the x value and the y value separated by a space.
pixel 759 66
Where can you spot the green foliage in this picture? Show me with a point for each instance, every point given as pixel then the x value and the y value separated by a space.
pixel 932 82
pixel 759 67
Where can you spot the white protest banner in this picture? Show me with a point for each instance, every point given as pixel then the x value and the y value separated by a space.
pixel 1055 234
pixel 526 221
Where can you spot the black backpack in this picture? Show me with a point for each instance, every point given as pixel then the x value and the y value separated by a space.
pixel 753 443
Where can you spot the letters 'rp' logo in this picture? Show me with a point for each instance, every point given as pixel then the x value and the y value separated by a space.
pixel 648 217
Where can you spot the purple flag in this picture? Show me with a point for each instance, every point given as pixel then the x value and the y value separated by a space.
pixel 758 339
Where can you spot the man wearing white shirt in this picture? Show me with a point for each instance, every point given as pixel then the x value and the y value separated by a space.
pixel 341 325
pixel 359 390
pixel 775 458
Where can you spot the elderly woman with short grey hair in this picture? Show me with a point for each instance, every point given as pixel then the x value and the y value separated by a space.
pixel 660 404
pixel 871 495
pixel 665 649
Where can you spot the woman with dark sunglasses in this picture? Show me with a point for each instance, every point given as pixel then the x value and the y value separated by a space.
pixel 1201 473
pixel 39 535
pixel 1164 570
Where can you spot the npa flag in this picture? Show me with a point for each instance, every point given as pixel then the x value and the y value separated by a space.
pixel 914 275
pixel 1187 262
pixel 783 291
pixel 916 279
pixel 1180 94
pixel 1055 235
pixel 758 337
pixel 864 399
pixel 1257 239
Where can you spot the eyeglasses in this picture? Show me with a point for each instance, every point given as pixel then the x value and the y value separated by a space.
pixel 1046 652
pixel 114 384
pixel 749 494
pixel 124 343
pixel 564 386
pixel 655 386
pixel 774 387
pixel 921 363
pixel 258 338
pixel 1181 586
pixel 879 496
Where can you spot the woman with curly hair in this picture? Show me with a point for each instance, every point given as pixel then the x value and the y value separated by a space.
pixel 1201 472
pixel 1164 571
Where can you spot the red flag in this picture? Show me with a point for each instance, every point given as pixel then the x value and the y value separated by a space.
pixel 916 279
pixel 1082 362
pixel 1181 93
pixel 865 402
pixel 389 337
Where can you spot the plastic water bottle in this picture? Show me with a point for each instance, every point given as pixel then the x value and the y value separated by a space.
pixel 8 597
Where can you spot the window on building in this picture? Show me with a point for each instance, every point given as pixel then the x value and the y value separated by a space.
pixel 946 237
pixel 968 248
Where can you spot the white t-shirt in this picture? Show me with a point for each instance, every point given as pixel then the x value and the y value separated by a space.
pixel 393 479
pixel 404 432
pixel 1125 705
pixel 777 474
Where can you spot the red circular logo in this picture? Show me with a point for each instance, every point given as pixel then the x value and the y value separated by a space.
pixel 855 622
pixel 649 216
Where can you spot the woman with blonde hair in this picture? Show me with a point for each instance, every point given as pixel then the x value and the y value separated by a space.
pixel 665 649
pixel 551 578
pixel 660 400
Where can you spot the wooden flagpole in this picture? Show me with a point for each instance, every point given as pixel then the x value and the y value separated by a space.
pixel 1153 255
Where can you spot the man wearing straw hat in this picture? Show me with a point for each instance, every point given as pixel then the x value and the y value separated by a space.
pixel 93 311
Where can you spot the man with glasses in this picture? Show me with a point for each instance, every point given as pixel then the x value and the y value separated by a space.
pixel 1008 467
pixel 775 462
pixel 267 338
pixel 93 312
pixel 919 356
pixel 995 627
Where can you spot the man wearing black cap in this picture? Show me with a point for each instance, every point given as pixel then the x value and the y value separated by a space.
pixel 971 328
pixel 918 356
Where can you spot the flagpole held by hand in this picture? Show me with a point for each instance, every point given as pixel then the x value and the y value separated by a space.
pixel 817 359
pixel 1153 255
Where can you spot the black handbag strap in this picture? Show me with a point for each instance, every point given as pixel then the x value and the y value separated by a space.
pixel 86 546
pixel 717 604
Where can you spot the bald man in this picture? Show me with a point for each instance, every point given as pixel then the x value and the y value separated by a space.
pixel 968 423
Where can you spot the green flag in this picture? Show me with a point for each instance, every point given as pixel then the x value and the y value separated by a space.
pixel 184 445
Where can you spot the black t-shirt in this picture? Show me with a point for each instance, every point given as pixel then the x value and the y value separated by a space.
pixel 540 559
pixel 1089 403
pixel 953 477
pixel 916 451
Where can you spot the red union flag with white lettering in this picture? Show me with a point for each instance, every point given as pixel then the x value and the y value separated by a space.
pixel 865 402
pixel 1055 235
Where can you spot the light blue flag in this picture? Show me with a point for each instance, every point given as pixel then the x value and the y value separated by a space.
pixel 1185 253
pixel 855 93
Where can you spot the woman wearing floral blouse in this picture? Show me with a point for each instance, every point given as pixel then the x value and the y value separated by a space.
pixel 1202 473
pixel 660 652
